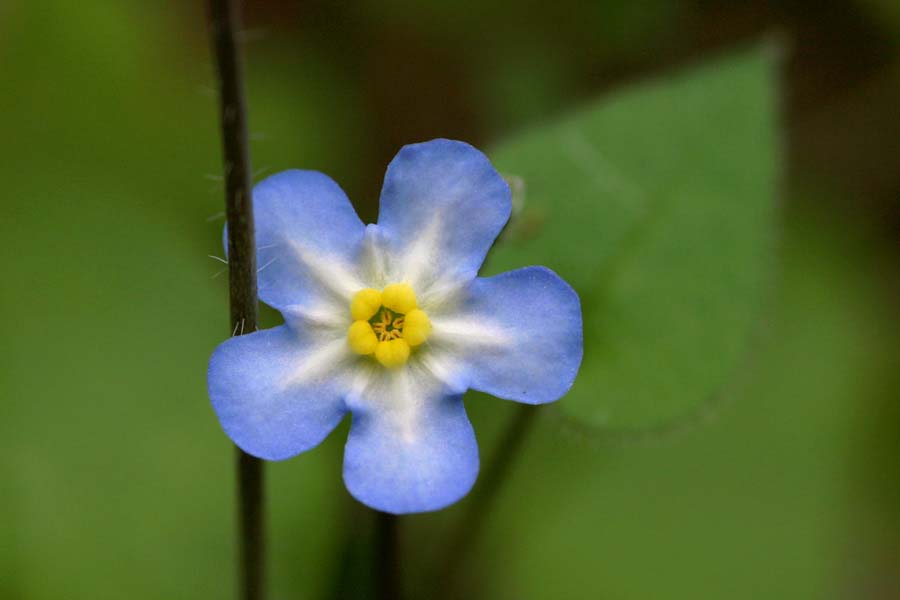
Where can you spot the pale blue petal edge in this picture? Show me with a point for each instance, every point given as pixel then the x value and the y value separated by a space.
pixel 396 475
pixel 540 314
pixel 249 382
pixel 449 186
pixel 306 210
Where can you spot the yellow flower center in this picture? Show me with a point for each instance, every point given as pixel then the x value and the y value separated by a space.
pixel 387 323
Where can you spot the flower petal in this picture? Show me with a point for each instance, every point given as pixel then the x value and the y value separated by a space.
pixel 442 205
pixel 308 238
pixel 275 394
pixel 411 448
pixel 519 335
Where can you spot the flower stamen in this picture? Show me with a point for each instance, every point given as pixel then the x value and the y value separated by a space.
pixel 387 324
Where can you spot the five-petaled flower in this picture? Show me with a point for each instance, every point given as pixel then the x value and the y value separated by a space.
pixel 391 323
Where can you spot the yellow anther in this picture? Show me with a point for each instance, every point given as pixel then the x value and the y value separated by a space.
pixel 393 353
pixel 361 338
pixel 399 297
pixel 365 304
pixel 416 327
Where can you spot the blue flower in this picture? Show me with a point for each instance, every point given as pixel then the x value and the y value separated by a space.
pixel 391 323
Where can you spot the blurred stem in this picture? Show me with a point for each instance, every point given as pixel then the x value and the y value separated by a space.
pixel 387 557
pixel 467 532
pixel 224 26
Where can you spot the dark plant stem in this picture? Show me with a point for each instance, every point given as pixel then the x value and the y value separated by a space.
pixel 252 522
pixel 224 26
pixel 387 557
pixel 467 531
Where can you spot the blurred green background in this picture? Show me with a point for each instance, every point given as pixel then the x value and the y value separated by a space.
pixel 115 479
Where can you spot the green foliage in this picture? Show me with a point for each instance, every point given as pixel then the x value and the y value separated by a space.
pixel 657 205
pixel 765 501
pixel 115 473
pixel 115 478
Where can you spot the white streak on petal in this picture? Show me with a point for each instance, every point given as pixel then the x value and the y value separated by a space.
pixel 444 294
pixel 332 274
pixel 445 368
pixel 407 401
pixel 360 376
pixel 325 315
pixel 397 396
pixel 468 331
pixel 375 257
pixel 420 255
pixel 323 362
pixel 415 264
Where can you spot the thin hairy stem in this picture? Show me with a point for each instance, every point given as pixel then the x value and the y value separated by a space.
pixel 224 28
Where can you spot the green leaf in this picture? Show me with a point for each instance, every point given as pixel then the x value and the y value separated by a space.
pixel 657 205
pixel 758 506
